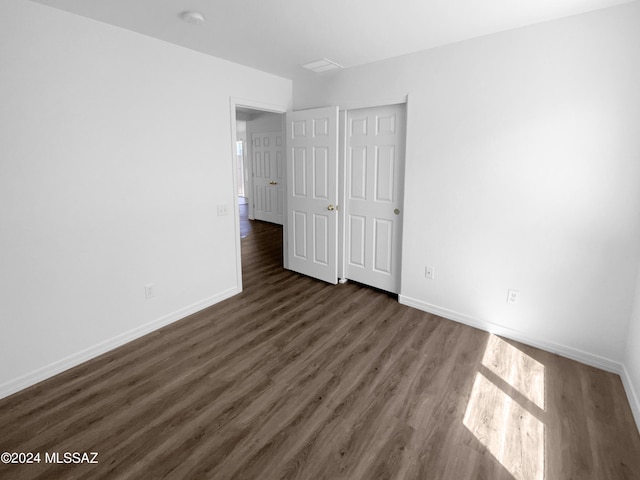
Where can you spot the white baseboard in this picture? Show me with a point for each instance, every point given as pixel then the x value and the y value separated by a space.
pixel 632 395
pixel 75 359
pixel 563 350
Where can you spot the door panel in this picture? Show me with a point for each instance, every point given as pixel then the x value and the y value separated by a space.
pixel 374 195
pixel 385 173
pixel 357 235
pixel 358 173
pixel 312 193
pixel 268 176
pixel 299 230
pixel 382 245
pixel 320 173
pixel 321 238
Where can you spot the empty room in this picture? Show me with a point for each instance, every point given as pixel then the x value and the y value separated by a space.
pixel 320 240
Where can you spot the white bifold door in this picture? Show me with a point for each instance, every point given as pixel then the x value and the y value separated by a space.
pixel 312 193
pixel 374 185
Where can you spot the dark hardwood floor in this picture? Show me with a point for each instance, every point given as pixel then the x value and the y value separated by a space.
pixel 297 379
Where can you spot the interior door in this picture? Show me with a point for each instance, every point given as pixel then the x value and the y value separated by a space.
pixel 374 195
pixel 312 193
pixel 268 176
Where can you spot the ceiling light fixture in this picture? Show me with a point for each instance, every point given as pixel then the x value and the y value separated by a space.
pixel 190 16
pixel 322 65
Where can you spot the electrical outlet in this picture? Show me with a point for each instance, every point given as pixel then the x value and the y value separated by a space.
pixel 429 272
pixel 223 210
pixel 149 291
pixel 512 296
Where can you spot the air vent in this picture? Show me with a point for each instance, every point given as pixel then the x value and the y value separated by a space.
pixel 322 65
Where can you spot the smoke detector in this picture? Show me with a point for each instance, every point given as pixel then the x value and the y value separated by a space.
pixel 191 16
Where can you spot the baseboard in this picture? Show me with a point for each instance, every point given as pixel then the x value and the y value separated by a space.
pixel 563 350
pixel 632 395
pixel 75 359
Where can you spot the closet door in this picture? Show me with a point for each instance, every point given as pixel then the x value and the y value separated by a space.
pixel 375 144
pixel 312 193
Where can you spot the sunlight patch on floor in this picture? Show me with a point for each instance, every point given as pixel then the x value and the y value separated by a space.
pixel 506 427
pixel 516 368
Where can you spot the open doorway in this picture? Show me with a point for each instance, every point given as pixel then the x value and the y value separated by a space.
pixel 260 166
pixel 259 169
pixel 266 154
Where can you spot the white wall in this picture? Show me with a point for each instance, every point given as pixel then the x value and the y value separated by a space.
pixel 116 149
pixel 266 122
pixel 631 375
pixel 523 172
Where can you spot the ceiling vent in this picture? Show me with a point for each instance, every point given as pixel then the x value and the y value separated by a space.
pixel 322 65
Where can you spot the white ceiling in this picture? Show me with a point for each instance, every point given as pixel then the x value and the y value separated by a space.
pixel 277 36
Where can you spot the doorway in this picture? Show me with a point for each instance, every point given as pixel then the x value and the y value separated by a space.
pixel 247 119
pixel 260 155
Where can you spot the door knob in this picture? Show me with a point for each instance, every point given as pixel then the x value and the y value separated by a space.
pixel 273 182
pixel 396 211
pixel 331 207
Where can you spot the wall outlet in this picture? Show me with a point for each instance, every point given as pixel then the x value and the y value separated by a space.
pixel 223 210
pixel 512 296
pixel 429 272
pixel 149 290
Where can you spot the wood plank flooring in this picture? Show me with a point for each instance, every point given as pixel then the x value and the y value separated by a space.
pixel 296 379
